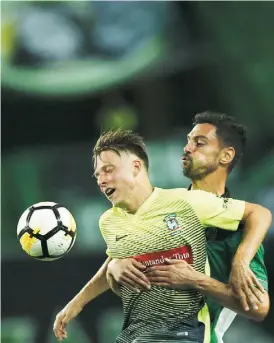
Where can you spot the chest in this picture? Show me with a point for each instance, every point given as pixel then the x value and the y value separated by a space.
pixel 139 234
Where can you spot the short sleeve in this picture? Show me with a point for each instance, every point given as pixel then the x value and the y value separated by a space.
pixel 216 211
pixel 258 267
pixel 102 227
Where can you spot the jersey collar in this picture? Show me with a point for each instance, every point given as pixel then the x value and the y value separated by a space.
pixel 225 195
pixel 145 205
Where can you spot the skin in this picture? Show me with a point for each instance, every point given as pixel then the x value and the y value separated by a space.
pixel 178 274
pixel 205 161
pixel 127 175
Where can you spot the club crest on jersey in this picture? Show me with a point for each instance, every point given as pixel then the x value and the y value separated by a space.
pixel 225 201
pixel 172 223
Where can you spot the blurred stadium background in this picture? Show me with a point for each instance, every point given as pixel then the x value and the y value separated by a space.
pixel 71 69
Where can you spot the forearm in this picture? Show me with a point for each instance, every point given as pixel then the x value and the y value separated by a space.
pixel 224 295
pixel 257 222
pixel 113 284
pixel 95 287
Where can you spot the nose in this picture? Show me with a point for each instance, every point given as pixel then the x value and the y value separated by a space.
pixel 101 181
pixel 188 149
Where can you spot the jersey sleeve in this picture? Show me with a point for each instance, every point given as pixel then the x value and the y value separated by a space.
pixel 258 267
pixel 212 210
pixel 102 227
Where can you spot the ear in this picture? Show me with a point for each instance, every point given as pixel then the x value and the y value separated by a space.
pixel 227 155
pixel 136 167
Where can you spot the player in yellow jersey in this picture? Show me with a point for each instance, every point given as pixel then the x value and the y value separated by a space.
pixel 150 224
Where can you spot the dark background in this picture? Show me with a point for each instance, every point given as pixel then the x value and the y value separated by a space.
pixel 73 69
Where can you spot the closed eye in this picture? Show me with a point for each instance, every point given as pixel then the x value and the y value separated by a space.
pixel 200 144
pixel 103 171
pixel 109 170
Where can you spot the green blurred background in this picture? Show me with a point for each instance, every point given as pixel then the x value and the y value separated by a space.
pixel 71 69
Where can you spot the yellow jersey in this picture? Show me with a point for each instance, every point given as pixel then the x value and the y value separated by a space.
pixel 170 223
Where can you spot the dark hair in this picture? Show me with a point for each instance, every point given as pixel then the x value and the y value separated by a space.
pixel 122 140
pixel 228 130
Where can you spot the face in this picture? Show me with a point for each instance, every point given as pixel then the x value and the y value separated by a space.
pixel 116 176
pixel 202 152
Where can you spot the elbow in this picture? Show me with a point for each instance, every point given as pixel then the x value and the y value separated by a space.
pixel 260 314
pixel 258 210
pixel 268 216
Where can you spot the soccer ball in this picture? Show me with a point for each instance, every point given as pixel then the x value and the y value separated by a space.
pixel 46 231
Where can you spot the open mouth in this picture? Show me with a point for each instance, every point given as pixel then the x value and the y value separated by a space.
pixel 109 192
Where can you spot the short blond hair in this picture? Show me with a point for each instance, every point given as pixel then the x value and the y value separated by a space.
pixel 121 140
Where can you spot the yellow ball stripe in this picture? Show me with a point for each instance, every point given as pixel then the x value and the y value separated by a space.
pixel 72 224
pixel 27 241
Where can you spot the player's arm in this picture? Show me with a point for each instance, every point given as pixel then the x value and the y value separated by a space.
pixel 96 286
pixel 127 272
pixel 227 214
pixel 178 274
pixel 224 294
pixel 257 220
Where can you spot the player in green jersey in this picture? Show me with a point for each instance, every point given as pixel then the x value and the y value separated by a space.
pixel 93 289
pixel 221 246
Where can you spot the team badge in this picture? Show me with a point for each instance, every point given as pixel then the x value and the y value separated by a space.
pixel 225 201
pixel 172 223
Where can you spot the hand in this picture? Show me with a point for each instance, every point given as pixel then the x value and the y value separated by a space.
pixel 176 274
pixel 129 272
pixel 63 318
pixel 245 284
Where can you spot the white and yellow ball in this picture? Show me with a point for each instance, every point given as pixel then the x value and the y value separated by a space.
pixel 46 231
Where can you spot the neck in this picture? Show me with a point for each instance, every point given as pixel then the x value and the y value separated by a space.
pixel 214 182
pixel 141 192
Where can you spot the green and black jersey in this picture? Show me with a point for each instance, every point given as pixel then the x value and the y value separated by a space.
pixel 221 248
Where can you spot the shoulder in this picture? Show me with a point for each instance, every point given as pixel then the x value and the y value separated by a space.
pixel 106 216
pixel 175 192
pixel 190 196
pixel 172 196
